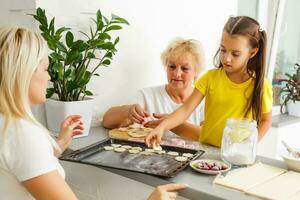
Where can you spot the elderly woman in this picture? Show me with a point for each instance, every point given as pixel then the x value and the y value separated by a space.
pixel 183 59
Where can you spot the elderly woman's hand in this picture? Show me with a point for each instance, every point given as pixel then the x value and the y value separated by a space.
pixel 166 192
pixel 158 119
pixel 70 127
pixel 137 114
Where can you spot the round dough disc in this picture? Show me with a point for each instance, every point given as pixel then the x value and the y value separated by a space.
pixel 119 149
pixel 181 158
pixel 188 155
pixel 108 148
pixel 133 151
pixel 116 145
pixel 137 148
pixel 173 153
pixel 137 133
pixel 126 147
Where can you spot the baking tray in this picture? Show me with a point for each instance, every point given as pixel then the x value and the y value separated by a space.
pixel 160 165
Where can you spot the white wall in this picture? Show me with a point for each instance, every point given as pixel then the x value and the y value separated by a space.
pixel 152 25
pixel 13 12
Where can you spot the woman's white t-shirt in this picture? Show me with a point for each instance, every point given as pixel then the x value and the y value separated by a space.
pixel 157 100
pixel 26 151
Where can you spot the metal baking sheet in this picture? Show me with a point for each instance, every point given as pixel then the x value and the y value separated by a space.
pixel 155 164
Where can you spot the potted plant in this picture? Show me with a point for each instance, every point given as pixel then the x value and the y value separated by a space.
pixel 291 92
pixel 70 65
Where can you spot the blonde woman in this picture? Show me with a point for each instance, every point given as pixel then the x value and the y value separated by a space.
pixel 29 168
pixel 183 59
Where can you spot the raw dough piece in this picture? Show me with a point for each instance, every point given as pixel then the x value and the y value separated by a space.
pixel 133 151
pixel 137 148
pixel 123 129
pixel 181 158
pixel 188 155
pixel 119 149
pixel 116 145
pixel 146 153
pixel 149 150
pixel 136 126
pixel 137 133
pixel 160 152
pixel 173 153
pixel 108 148
pixel 126 147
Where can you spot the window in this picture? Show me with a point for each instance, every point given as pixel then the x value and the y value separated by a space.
pixel 288 48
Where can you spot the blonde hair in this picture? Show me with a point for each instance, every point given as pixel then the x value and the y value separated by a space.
pixel 21 51
pixel 179 47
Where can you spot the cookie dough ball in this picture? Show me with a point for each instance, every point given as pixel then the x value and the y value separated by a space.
pixel 119 149
pixel 181 158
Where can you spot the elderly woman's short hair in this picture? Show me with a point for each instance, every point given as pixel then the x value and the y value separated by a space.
pixel 179 47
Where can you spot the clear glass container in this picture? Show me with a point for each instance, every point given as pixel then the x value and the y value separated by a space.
pixel 239 142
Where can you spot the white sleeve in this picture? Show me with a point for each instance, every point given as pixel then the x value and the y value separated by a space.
pixel 32 155
pixel 139 98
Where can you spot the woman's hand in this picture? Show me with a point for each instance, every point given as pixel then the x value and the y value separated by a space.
pixel 166 192
pixel 158 119
pixel 137 114
pixel 153 139
pixel 70 127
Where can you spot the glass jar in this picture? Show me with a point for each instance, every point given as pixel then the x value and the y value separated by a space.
pixel 239 141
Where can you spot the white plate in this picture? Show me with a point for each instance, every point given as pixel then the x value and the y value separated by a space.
pixel 194 163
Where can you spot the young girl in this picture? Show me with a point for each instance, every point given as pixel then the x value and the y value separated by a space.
pixel 237 89
pixel 29 168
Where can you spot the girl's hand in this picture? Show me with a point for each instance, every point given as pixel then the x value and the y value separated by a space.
pixel 153 139
pixel 137 114
pixel 166 192
pixel 70 127
pixel 155 123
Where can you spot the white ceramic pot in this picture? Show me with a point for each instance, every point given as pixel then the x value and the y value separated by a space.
pixel 294 108
pixel 57 111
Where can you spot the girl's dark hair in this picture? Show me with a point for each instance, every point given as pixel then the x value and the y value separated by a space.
pixel 246 26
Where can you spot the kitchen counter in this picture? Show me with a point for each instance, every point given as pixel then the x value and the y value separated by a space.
pixel 88 180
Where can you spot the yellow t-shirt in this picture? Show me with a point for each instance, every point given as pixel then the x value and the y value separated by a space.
pixel 225 99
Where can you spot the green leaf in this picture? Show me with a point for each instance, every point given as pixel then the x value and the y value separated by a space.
pixel 51 26
pixel 61 47
pixel 61 30
pixel 109 55
pixel 119 19
pixel 58 68
pixel 88 93
pixel 69 39
pixel 71 56
pixel 57 56
pixel 68 72
pixel 113 27
pixel 107 45
pixel 104 36
pixel 96 74
pixel 50 92
pixel 77 44
pixel 91 55
pixel 117 40
pixel 106 62
pixel 99 16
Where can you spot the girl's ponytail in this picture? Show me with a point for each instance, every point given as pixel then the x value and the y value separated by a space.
pixel 257 64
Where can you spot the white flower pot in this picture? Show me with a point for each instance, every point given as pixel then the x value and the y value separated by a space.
pixel 294 108
pixel 57 111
